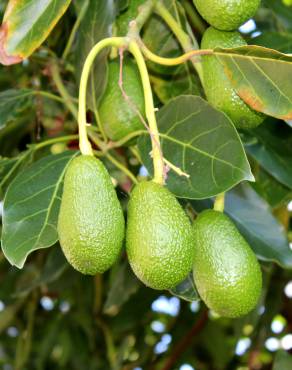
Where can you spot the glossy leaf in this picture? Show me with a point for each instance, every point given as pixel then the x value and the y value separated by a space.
pixel 186 290
pixel 255 221
pixel 203 143
pixel 273 150
pixel 259 76
pixel 26 24
pixel 95 26
pixel 13 103
pixel 31 208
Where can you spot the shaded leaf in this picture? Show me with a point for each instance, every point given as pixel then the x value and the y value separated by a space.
pixel 124 285
pixel 31 208
pixel 273 150
pixel 95 25
pixel 255 221
pixel 13 103
pixel 283 361
pixel 186 290
pixel 203 143
pixel 259 76
pixel 26 24
pixel 275 40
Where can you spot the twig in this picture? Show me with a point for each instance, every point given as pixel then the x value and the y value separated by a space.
pixel 186 341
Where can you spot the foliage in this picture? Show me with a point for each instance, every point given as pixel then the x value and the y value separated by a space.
pixel 53 317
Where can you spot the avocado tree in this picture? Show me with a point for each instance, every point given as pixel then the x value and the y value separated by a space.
pixel 145 184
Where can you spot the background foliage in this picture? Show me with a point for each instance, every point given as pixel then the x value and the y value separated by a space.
pixel 52 316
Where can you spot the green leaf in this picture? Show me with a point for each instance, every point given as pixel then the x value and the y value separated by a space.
pixel 186 290
pixel 203 143
pixel 273 150
pixel 275 40
pixel 271 190
pixel 13 103
pixel 255 221
pixel 95 25
pixel 283 361
pixel 124 284
pixel 31 208
pixel 181 82
pixel 26 24
pixel 259 76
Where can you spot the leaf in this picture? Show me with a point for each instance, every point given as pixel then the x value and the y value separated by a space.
pixel 13 103
pixel 271 190
pixel 95 25
pixel 283 361
pixel 275 40
pixel 260 77
pixel 186 290
pixel 26 24
pixel 203 143
pixel 281 12
pixel 31 208
pixel 124 285
pixel 255 221
pixel 181 82
pixel 273 150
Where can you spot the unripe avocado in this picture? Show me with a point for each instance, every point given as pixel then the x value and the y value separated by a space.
pixel 91 224
pixel 227 15
pixel 119 116
pixel 217 86
pixel 159 238
pixel 226 271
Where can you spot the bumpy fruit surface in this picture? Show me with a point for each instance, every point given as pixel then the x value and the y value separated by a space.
pixel 226 271
pixel 218 88
pixel 227 15
pixel 91 223
pixel 117 115
pixel 159 237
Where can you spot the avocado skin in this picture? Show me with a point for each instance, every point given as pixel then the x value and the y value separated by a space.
pixel 91 224
pixel 159 238
pixel 226 271
pixel 118 116
pixel 227 15
pixel 217 86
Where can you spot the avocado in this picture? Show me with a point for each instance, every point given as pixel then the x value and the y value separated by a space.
pixel 217 86
pixel 91 224
pixel 119 116
pixel 226 271
pixel 159 240
pixel 227 15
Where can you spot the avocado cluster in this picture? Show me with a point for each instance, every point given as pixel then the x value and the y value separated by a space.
pixel 224 18
pixel 161 244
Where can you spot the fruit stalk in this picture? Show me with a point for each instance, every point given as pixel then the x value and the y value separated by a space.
pixel 184 39
pixel 219 202
pixel 84 144
pixel 158 163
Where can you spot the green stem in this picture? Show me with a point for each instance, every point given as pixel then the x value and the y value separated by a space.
pixel 158 163
pixel 84 143
pixel 219 202
pixel 110 347
pixel 104 148
pixel 124 140
pixel 53 141
pixel 62 90
pixel 145 11
pixel 184 39
pixel 193 16
pixel 173 61
pixel 75 29
pixel 49 96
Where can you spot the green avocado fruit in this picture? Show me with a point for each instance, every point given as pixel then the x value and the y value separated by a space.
pixel 217 86
pixel 91 224
pixel 227 15
pixel 159 239
pixel 226 271
pixel 119 116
